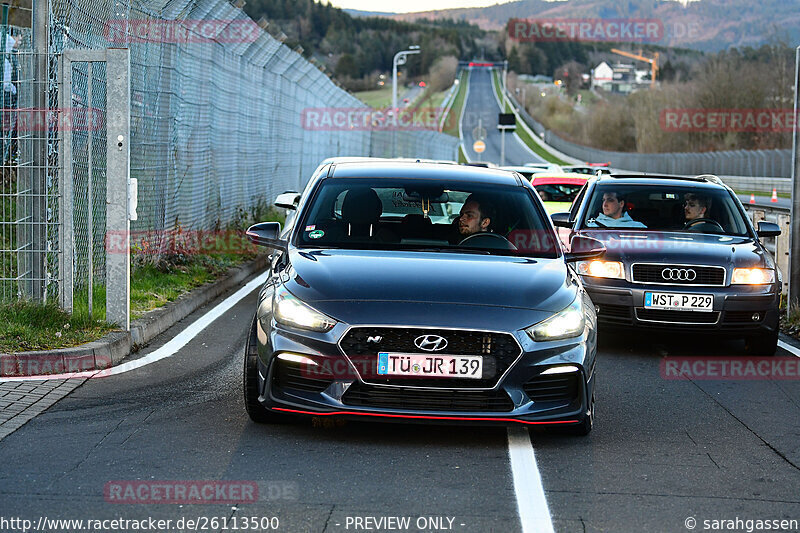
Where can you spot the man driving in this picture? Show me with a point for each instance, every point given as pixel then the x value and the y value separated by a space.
pixel 476 216
pixel 614 214
pixel 696 206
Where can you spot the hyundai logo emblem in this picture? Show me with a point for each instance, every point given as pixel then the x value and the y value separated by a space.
pixel 430 343
pixel 679 274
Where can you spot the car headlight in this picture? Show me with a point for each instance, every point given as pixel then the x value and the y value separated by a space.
pixel 569 322
pixel 601 269
pixel 290 311
pixel 752 276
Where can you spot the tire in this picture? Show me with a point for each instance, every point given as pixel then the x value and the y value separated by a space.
pixel 257 412
pixel 763 344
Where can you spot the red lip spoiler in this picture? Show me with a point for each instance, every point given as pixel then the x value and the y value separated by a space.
pixel 386 415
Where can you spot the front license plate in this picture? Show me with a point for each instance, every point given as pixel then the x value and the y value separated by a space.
pixel 423 365
pixel 678 302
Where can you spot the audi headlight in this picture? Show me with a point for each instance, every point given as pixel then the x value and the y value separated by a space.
pixel 569 322
pixel 601 269
pixel 752 276
pixel 290 311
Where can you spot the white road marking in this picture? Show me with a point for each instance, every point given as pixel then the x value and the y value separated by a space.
pixel 789 348
pixel 170 348
pixel 531 502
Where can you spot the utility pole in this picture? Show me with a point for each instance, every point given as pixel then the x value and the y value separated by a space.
pixel 793 299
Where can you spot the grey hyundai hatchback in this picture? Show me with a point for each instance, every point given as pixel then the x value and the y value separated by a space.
pixel 681 255
pixel 381 305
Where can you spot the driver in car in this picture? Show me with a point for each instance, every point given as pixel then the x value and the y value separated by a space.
pixel 614 214
pixel 695 210
pixel 695 206
pixel 476 216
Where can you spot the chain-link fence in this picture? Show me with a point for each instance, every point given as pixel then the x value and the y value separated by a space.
pixel 216 127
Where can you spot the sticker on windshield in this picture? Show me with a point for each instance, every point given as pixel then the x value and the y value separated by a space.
pixel 316 234
pixel 310 228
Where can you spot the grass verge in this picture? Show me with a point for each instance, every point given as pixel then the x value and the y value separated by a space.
pixel 521 132
pixel 155 281
pixel 378 98
pixel 454 115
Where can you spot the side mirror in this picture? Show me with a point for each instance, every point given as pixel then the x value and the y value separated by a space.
pixel 581 248
pixel 561 220
pixel 768 229
pixel 267 234
pixel 288 200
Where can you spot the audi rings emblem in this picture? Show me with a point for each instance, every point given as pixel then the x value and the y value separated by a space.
pixel 430 343
pixel 679 274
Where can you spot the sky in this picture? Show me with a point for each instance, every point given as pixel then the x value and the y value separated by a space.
pixel 409 6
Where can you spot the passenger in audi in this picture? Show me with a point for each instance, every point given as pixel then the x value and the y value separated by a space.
pixel 614 214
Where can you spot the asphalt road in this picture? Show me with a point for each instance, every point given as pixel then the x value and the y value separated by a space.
pixel 481 110
pixel 662 450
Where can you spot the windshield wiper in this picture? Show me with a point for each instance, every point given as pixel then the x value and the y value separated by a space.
pixel 453 249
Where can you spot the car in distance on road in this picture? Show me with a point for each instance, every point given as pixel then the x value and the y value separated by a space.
pixel 558 189
pixel 377 306
pixel 681 255
pixel 586 169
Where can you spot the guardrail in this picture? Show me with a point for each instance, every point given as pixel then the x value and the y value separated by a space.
pixel 746 169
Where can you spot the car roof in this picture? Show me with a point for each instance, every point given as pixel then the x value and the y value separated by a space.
pixel 707 181
pixel 552 178
pixel 422 171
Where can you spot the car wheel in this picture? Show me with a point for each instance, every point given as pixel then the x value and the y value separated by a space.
pixel 256 411
pixel 762 344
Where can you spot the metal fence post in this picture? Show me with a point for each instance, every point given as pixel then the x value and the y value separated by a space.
pixel 38 171
pixel 118 103
pixel 66 237
pixel 794 260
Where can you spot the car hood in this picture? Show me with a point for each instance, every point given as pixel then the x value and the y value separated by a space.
pixel 681 248
pixel 428 279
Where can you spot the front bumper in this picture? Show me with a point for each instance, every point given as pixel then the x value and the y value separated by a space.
pixel 742 309
pixel 335 387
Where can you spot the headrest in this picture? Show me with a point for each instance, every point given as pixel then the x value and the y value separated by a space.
pixel 361 206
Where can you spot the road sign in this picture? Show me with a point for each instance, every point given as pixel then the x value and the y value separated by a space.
pixel 479 133
pixel 506 119
pixel 479 146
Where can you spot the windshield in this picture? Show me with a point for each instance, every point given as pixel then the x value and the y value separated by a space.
pixel 397 214
pixel 658 207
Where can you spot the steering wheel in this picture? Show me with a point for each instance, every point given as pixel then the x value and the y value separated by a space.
pixel 486 239
pixel 703 220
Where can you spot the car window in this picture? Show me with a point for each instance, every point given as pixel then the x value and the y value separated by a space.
pixel 678 208
pixel 390 213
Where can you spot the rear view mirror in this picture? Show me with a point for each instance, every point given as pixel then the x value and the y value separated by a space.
pixel 288 200
pixel 581 247
pixel 561 220
pixel 768 229
pixel 266 234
